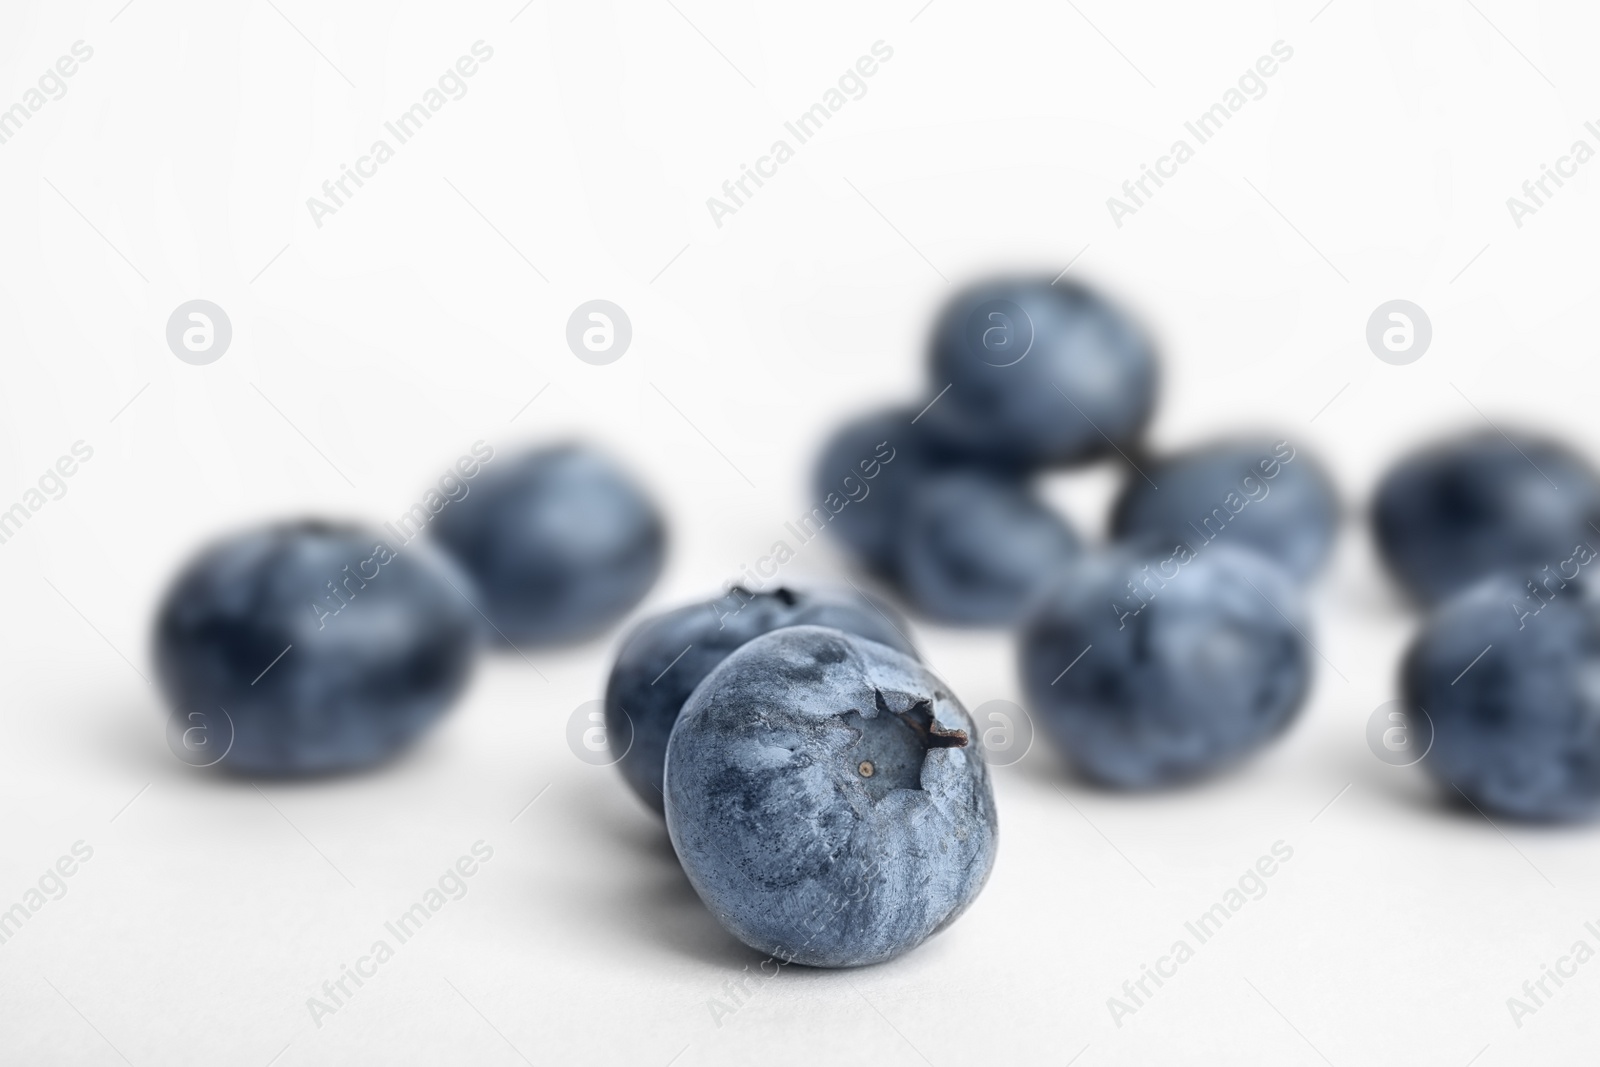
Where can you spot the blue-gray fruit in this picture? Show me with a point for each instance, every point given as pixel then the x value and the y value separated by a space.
pixel 1259 493
pixel 826 799
pixel 863 477
pixel 1150 670
pixel 1506 675
pixel 979 548
pixel 1468 507
pixel 1039 373
pixel 559 542
pixel 667 655
pixel 319 646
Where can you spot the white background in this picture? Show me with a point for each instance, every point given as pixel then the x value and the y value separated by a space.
pixel 370 352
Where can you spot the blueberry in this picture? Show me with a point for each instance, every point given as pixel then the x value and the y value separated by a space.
pixel 979 548
pixel 826 799
pixel 327 649
pixel 666 656
pixel 863 476
pixel 1039 373
pixel 1261 494
pixel 1467 507
pixel 560 543
pixel 1506 676
pixel 1189 662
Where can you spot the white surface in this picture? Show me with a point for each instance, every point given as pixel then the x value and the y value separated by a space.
pixel 407 327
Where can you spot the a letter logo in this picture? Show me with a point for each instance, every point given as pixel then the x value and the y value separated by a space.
pixel 199 332
pixel 599 332
pixel 1005 732
pixel 1399 332
pixel 999 332
pixel 595 741
pixel 200 738
pixel 1398 734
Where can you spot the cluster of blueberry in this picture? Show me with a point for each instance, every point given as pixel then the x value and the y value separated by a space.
pixel 264 678
pixel 1492 532
pixel 824 790
pixel 1178 649
pixel 1181 647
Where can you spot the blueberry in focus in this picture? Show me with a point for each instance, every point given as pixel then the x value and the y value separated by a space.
pixel 559 542
pixel 1150 669
pixel 979 548
pixel 666 656
pixel 1039 374
pixel 1261 494
pixel 862 478
pixel 1505 672
pixel 327 650
pixel 826 799
pixel 1468 507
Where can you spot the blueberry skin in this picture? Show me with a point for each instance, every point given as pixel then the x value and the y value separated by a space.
pixel 666 656
pixel 1010 348
pixel 826 799
pixel 1516 733
pixel 1221 490
pixel 1467 507
pixel 884 456
pixel 559 541
pixel 1206 672
pixel 368 670
pixel 980 549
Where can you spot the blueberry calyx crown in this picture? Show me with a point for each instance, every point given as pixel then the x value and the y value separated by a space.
pixel 891 746
pixel 783 594
pixel 920 718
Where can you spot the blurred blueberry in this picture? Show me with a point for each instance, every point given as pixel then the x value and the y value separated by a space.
pixel 826 799
pixel 862 479
pixel 1506 675
pixel 328 650
pixel 1039 373
pixel 667 655
pixel 979 548
pixel 1260 494
pixel 559 542
pixel 1467 507
pixel 1189 662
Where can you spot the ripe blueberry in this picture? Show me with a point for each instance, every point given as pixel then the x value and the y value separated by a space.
pixel 666 656
pixel 1039 373
pixel 559 542
pixel 325 649
pixel 1467 507
pixel 1506 678
pixel 1261 494
pixel 863 477
pixel 979 548
pixel 1148 670
pixel 825 797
